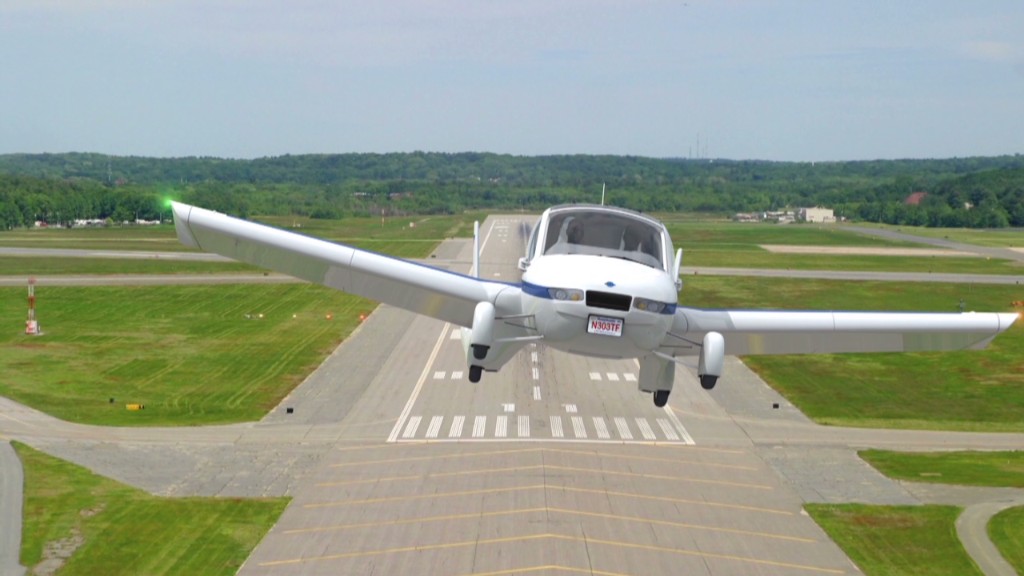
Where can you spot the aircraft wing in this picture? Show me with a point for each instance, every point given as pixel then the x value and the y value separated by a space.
pixel 426 290
pixel 748 332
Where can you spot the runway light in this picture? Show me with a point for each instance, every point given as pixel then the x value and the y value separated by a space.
pixel 295 315
pixel 362 317
pixel 330 316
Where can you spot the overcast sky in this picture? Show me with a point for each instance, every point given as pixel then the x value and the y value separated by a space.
pixel 770 79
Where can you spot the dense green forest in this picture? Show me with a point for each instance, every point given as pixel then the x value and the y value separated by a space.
pixel 59 188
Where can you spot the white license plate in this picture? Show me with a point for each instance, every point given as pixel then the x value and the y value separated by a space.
pixel 604 325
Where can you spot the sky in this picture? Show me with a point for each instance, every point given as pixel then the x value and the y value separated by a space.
pixel 793 80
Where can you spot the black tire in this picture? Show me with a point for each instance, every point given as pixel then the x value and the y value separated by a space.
pixel 708 382
pixel 475 372
pixel 661 398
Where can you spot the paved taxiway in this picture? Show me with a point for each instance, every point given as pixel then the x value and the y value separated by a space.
pixel 570 470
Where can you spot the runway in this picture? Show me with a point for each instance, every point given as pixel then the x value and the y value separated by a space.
pixel 556 464
pixel 397 464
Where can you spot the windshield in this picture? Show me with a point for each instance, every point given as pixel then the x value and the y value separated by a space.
pixel 604 233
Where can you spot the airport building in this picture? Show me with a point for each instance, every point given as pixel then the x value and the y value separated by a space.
pixel 821 215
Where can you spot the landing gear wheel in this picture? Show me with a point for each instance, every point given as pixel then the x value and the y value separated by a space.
pixel 475 372
pixel 661 398
pixel 707 381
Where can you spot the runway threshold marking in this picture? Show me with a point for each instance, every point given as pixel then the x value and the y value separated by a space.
pixel 419 384
pixel 563 537
pixel 462 493
pixel 550 510
pixel 430 362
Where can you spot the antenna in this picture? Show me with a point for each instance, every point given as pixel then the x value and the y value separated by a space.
pixel 602 193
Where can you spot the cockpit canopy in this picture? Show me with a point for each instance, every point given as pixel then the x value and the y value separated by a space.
pixel 601 231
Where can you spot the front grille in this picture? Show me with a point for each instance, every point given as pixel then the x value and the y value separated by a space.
pixel 608 300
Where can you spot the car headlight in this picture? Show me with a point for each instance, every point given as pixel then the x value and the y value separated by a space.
pixel 566 294
pixel 649 305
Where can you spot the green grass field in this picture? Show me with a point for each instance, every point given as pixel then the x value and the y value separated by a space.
pixel 896 540
pixel 967 390
pixel 730 244
pixel 964 468
pixel 25 266
pixel 162 238
pixel 755 257
pixel 1006 530
pixel 187 353
pixel 110 528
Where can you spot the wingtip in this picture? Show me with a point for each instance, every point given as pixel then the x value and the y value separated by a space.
pixel 181 214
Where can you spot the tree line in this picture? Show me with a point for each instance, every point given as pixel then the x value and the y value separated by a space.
pixel 60 188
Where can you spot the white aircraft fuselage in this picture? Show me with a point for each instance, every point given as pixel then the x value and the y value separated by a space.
pixel 599 281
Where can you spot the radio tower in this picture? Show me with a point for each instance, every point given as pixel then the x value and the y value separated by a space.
pixel 31 325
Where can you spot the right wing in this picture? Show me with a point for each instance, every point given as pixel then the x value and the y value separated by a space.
pixel 749 332
pixel 426 290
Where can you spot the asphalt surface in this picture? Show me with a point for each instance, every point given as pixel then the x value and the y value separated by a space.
pixel 11 482
pixel 395 462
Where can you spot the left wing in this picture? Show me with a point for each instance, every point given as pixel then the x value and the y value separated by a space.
pixel 811 332
pixel 426 290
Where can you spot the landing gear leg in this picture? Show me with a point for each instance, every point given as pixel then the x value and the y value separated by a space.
pixel 661 398
pixel 475 372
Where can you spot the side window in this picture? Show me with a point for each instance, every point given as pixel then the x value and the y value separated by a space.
pixel 532 247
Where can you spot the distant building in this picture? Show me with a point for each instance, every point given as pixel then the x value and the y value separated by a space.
pixel 821 215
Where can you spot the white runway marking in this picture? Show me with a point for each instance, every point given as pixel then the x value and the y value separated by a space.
pixel 536 392
pixel 457 375
pixel 439 375
pixel 605 429
pixel 536 373
pixel 556 427
pixel 456 430
pixel 645 429
pixel 612 377
pixel 435 426
pixel 410 428
pixel 577 427
pixel 570 408
pixel 508 407
pixel 623 427
pixel 595 375
pixel 456 334
pixel 533 357
pixel 419 385
pixel 630 377
pixel 666 427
